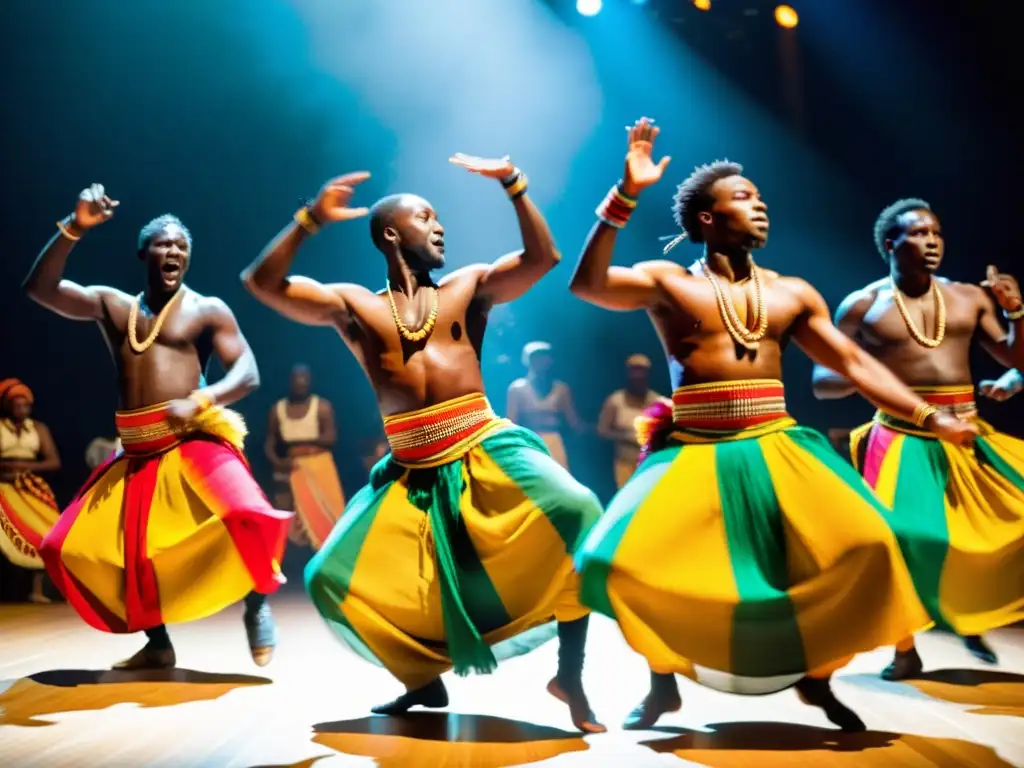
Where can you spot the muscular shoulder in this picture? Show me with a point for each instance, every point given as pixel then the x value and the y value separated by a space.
pixel 470 274
pixel 856 304
pixel 210 307
pixel 661 268
pixel 967 291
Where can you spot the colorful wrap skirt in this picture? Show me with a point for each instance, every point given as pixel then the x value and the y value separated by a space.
pixel 746 553
pixel 461 542
pixel 960 512
pixel 316 495
pixel 172 529
pixel 28 511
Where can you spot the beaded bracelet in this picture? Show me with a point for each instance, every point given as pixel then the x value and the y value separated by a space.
pixel 305 218
pixel 515 184
pixel 63 227
pixel 921 413
pixel 616 208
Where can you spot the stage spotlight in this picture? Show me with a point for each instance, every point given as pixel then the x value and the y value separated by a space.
pixel 702 5
pixel 588 7
pixel 786 17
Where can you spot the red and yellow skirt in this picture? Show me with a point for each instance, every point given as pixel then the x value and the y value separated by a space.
pixel 747 553
pixel 461 542
pixel 317 496
pixel 172 529
pixel 960 512
pixel 28 511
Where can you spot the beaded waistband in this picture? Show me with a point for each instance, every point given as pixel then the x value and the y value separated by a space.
pixel 440 433
pixel 957 401
pixel 728 405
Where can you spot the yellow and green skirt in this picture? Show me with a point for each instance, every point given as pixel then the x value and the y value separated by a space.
pixel 960 512
pixel 172 529
pixel 28 511
pixel 461 542
pixel 746 553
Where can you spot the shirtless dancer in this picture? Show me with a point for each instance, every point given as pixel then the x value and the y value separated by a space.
pixel 124 553
pixel 464 536
pixel 969 504
pixel 718 559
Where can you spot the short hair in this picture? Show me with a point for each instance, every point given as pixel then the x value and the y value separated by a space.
pixel 535 348
pixel 381 215
pixel 888 220
pixel 694 195
pixel 158 225
pixel 301 368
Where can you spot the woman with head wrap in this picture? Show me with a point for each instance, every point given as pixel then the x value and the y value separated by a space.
pixel 28 509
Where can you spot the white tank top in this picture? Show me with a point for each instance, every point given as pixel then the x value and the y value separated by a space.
pixel 301 430
pixel 23 445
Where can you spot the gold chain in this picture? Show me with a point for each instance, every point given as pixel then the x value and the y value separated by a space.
pixel 428 326
pixel 133 319
pixel 740 333
pixel 940 315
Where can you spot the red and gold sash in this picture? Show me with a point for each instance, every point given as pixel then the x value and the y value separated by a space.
pixel 438 434
pixel 715 412
pixel 146 431
pixel 955 400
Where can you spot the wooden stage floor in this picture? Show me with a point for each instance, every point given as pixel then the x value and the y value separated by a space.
pixel 310 707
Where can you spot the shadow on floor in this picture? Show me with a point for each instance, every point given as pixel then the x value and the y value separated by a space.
pixel 24 700
pixel 771 745
pixel 432 739
pixel 988 691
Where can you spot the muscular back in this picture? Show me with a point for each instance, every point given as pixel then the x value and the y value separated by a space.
pixel 172 366
pixel 872 319
pixel 696 342
pixel 411 375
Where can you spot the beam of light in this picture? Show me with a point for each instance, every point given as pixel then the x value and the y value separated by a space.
pixel 702 5
pixel 588 7
pixel 786 17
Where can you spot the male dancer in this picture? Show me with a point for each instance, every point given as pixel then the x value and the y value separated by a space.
pixel 718 558
pixel 967 504
pixel 125 552
pixel 464 536
pixel 300 434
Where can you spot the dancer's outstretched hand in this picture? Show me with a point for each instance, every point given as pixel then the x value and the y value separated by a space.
pixel 1003 388
pixel 93 207
pixel 332 202
pixel 499 169
pixel 1004 287
pixel 641 170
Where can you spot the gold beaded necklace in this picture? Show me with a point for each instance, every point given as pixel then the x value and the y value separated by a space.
pixel 741 334
pixel 428 326
pixel 940 315
pixel 133 320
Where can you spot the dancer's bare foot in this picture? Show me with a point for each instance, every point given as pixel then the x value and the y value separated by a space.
pixel 433 695
pixel 817 692
pixel 150 657
pixel 663 698
pixel 904 664
pixel 583 716
pixel 39 599
pixel 980 649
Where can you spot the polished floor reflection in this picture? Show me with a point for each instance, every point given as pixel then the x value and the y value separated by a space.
pixel 60 707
